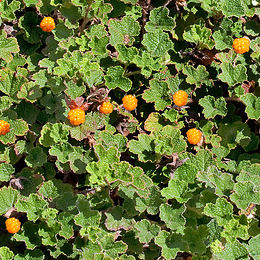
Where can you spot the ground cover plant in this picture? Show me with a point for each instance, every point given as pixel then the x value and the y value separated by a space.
pixel 129 129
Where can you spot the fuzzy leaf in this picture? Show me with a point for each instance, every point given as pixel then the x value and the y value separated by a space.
pixel 196 76
pixel 213 107
pixel 6 253
pixel 115 79
pixel 232 75
pixel 123 32
pixel 160 19
pixel 143 147
pixel 158 93
pixel 116 221
pixel 36 157
pixel 29 235
pixel 222 211
pixel 6 170
pixel 254 247
pixel 222 40
pixel 8 45
pixel 146 231
pixel 171 244
pixel 33 206
pixel 252 105
pixel 8 197
pixel 245 194
pixel 173 217
pixel 200 35
pixel 157 42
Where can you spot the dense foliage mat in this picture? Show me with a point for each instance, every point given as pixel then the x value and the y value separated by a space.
pixel 121 180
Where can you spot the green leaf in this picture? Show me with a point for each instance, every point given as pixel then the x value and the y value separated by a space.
pixel 233 251
pixel 177 189
pixel 29 23
pixel 252 28
pixel 171 244
pixel 86 217
pixel 173 217
pixel 8 196
pixel 157 43
pixel 158 93
pixel 222 40
pixel 126 54
pixel 169 140
pixel 143 147
pixel 196 76
pixel 116 221
pixel 200 35
pixel 253 247
pixel 7 9
pixel 245 194
pixel 36 157
pixel 213 107
pixel 29 235
pixel 222 211
pixel 67 224
pixel 111 247
pixel 234 134
pixel 146 231
pixel 123 32
pixel 115 79
pixel 8 45
pixel 232 75
pixel 99 45
pixel 160 19
pixel 252 105
pixel 234 8
pixel 6 170
pixel 33 206
pixel 6 253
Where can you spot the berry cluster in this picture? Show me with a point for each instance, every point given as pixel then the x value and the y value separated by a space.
pixel 76 116
pixel 4 127
pixel 129 102
pixel 13 225
pixel 241 45
pixel 106 108
pixel 180 98
pixel 194 136
pixel 47 24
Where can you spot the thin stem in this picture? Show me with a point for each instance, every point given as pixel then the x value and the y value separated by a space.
pixel 128 74
pixel 85 20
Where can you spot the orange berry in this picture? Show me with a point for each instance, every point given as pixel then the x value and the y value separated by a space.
pixel 106 108
pixel 180 98
pixel 13 225
pixel 129 102
pixel 47 24
pixel 4 127
pixel 194 136
pixel 241 45
pixel 76 116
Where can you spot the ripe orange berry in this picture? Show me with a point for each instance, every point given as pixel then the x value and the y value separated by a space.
pixel 241 45
pixel 76 116
pixel 4 127
pixel 106 108
pixel 180 98
pixel 129 102
pixel 47 24
pixel 194 136
pixel 13 225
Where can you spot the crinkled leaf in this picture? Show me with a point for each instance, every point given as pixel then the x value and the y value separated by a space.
pixel 6 170
pixel 232 75
pixel 252 105
pixel 157 43
pixel 196 76
pixel 8 196
pixel 6 253
pixel 8 45
pixel 158 93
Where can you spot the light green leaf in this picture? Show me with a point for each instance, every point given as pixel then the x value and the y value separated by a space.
pixel 213 107
pixel 8 196
pixel 6 170
pixel 222 40
pixel 196 76
pixel 160 19
pixel 200 35
pixel 252 105
pixel 173 217
pixel 6 253
pixel 232 75
pixel 158 93
pixel 157 43
pixel 115 78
